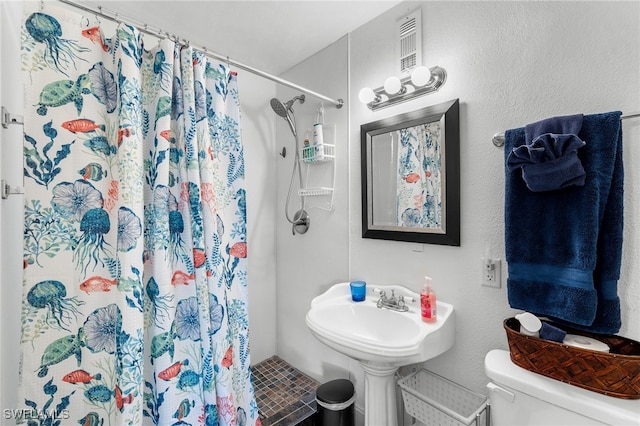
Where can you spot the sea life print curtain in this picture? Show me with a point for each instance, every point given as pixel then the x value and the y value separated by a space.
pixel 419 182
pixel 135 286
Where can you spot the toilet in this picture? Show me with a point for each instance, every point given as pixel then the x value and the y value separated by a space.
pixel 521 397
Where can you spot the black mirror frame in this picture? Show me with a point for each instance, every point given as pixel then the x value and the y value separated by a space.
pixel 451 112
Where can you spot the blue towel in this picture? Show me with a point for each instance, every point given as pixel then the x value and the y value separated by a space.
pixel 549 162
pixel 564 247
pixel 568 124
pixel 550 332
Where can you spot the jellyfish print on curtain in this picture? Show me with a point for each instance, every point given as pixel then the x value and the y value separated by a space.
pixel 419 181
pixel 135 285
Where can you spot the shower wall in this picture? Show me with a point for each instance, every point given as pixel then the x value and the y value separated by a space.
pixel 309 264
pixel 258 137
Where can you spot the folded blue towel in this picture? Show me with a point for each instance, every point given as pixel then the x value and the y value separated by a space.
pixel 549 162
pixel 564 247
pixel 549 332
pixel 568 125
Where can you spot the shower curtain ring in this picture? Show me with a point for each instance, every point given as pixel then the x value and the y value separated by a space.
pixel 41 5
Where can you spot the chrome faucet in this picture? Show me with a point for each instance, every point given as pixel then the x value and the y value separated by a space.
pixel 394 303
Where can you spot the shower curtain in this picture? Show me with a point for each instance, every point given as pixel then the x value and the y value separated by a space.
pixel 419 181
pixel 135 286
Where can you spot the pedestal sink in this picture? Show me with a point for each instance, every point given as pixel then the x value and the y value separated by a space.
pixel 382 340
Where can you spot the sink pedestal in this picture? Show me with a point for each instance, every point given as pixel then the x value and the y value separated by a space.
pixel 379 394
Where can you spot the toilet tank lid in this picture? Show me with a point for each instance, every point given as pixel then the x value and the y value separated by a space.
pixel 605 409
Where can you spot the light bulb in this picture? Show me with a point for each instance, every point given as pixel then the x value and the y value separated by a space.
pixel 420 76
pixel 366 95
pixel 392 85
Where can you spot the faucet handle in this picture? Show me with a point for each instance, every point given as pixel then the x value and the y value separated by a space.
pixel 401 301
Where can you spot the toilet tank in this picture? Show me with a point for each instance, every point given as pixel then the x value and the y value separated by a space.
pixel 521 397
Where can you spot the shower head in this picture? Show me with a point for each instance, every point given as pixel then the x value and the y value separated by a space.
pixel 283 110
pixel 279 108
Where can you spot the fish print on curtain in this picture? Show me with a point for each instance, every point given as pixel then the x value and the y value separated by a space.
pixel 135 286
pixel 419 185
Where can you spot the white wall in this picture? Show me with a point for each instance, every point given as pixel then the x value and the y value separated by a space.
pixel 509 63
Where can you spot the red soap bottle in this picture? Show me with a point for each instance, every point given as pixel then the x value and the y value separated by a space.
pixel 428 302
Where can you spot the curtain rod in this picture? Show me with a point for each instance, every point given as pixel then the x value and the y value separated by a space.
pixel 498 138
pixel 144 28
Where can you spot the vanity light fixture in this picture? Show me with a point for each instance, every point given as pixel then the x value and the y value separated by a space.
pixel 395 90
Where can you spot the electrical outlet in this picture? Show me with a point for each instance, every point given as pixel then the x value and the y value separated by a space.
pixel 491 273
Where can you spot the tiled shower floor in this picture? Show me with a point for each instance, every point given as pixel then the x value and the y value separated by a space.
pixel 285 395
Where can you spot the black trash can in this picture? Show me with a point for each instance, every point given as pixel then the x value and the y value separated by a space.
pixel 336 403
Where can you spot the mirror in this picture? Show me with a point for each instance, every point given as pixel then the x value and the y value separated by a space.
pixel 411 176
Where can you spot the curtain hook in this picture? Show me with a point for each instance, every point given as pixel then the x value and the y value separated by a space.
pixel 228 63
pixel 41 5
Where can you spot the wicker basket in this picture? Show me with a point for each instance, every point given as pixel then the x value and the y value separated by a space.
pixel 434 400
pixel 616 373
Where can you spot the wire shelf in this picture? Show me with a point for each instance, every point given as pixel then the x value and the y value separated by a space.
pixel 312 154
pixel 311 192
pixel 432 399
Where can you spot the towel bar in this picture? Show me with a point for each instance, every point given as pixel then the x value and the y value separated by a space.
pixel 498 138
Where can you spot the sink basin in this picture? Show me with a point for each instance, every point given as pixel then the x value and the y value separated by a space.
pixel 365 332
pixel 380 339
